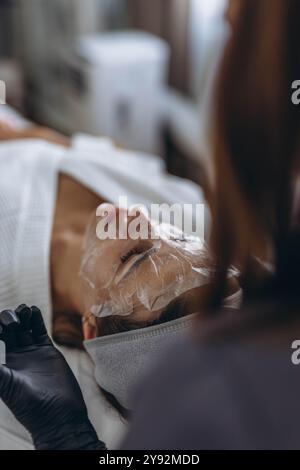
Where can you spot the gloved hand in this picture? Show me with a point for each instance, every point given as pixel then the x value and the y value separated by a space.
pixel 38 386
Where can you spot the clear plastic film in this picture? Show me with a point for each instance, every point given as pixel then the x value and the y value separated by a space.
pixel 122 276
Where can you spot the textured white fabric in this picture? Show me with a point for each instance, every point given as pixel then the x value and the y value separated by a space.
pixel 29 172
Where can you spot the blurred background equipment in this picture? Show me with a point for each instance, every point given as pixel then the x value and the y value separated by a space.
pixel 77 66
pixel 50 31
pixel 121 80
pixel 109 84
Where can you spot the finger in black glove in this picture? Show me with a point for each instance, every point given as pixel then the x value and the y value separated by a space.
pixel 39 387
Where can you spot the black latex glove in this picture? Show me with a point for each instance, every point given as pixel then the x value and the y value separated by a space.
pixel 39 387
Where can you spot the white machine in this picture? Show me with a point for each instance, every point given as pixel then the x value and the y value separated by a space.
pixel 118 81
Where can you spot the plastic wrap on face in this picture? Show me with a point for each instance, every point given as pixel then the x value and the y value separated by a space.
pixel 122 276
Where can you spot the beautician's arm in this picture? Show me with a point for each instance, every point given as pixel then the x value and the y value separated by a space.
pixel 39 388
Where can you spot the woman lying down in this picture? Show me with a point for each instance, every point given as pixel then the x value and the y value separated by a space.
pixel 126 298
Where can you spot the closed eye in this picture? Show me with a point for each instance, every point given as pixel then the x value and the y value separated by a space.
pixel 143 247
pixel 132 259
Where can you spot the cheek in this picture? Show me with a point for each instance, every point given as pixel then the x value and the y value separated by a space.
pixel 161 271
pixel 105 270
pixel 156 282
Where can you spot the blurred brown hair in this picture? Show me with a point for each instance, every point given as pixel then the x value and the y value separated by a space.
pixel 257 143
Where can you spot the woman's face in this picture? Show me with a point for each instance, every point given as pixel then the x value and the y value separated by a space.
pixel 139 277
